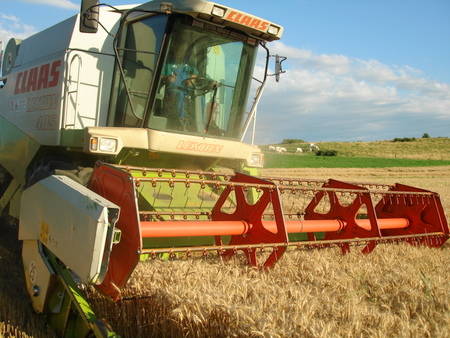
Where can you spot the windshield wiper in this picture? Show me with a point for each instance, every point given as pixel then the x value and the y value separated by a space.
pixel 213 104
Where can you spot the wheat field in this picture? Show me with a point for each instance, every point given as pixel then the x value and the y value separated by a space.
pixel 397 290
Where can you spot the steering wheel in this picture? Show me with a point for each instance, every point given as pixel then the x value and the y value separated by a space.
pixel 200 85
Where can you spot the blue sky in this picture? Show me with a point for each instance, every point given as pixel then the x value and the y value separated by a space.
pixel 357 70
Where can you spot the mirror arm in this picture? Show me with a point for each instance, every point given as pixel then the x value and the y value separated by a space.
pixel 259 93
pixel 278 66
pixel 88 12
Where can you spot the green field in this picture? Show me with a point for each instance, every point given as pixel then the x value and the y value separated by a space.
pixel 273 160
pixel 420 149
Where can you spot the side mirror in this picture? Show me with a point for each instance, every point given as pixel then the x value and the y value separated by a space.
pixel 279 66
pixel 89 16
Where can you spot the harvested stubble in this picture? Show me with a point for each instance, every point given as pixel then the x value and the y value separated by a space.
pixel 16 314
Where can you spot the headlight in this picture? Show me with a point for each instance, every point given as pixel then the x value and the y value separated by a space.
pixel 218 11
pixel 103 144
pixel 256 160
pixel 108 145
pixel 274 30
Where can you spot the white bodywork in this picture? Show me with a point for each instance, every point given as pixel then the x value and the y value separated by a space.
pixel 74 223
pixel 160 141
pixel 61 80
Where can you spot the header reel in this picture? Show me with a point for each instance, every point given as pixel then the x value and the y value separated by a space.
pixel 175 212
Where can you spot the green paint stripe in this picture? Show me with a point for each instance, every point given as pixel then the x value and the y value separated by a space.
pixel 79 300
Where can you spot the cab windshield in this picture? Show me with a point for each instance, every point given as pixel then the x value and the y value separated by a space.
pixel 203 83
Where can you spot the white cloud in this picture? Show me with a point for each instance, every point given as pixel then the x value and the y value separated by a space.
pixel 57 3
pixel 11 18
pixel 12 27
pixel 331 96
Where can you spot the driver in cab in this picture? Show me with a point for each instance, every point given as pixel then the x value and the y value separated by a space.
pixel 183 104
pixel 178 79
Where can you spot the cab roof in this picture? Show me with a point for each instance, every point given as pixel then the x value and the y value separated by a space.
pixel 218 14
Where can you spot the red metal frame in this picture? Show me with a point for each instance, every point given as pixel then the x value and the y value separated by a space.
pixel 425 213
pixel 252 215
pixel 347 214
pixel 118 187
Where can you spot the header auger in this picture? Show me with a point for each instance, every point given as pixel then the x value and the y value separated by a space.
pixel 119 91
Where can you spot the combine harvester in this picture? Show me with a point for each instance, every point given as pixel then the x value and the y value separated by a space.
pixel 92 112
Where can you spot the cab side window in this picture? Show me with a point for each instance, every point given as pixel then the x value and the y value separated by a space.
pixel 139 55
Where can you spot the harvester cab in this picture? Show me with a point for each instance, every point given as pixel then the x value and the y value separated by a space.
pixel 121 141
pixel 182 78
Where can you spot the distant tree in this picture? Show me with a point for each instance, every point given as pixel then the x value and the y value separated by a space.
pixel 426 135
pixel 292 140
